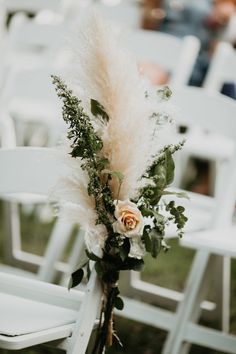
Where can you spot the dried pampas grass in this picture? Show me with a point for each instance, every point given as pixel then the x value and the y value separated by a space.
pixel 108 73
pixel 101 69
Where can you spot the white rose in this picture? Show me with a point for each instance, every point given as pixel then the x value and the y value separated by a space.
pixel 130 221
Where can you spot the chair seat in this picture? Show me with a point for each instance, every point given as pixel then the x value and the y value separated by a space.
pixel 21 316
pixel 220 241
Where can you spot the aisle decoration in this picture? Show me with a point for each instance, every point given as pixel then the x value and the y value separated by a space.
pixel 121 163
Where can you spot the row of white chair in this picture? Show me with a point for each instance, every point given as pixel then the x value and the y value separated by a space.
pixel 50 100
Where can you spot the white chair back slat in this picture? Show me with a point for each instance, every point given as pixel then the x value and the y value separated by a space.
pixel 37 169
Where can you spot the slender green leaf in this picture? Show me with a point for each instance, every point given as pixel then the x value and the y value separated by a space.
pixel 76 278
pixel 98 110
pixel 170 167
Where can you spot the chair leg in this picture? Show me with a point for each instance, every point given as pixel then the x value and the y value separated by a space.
pixel 12 233
pixel 226 294
pixel 187 307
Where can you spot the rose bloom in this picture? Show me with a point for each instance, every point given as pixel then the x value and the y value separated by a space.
pixel 130 222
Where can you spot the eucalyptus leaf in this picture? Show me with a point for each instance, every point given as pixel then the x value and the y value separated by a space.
pixel 170 167
pixel 119 303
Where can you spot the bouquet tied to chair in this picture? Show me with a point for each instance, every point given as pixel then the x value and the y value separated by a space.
pixel 121 163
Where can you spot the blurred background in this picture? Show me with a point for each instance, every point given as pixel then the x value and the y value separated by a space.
pixel 187 44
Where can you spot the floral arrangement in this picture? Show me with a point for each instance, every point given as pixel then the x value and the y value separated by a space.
pixel 121 163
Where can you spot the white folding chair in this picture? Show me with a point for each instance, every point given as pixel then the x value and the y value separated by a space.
pixel 176 56
pixel 222 68
pixel 50 312
pixel 221 242
pixel 216 141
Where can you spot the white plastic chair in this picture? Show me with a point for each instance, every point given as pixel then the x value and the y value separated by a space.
pixel 215 114
pixel 50 312
pixel 221 242
pixel 222 67
pixel 176 56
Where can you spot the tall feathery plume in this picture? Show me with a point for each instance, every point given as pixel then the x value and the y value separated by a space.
pixel 108 73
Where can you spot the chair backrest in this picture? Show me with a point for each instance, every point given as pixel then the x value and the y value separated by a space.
pixel 25 33
pixel 32 6
pixel 214 115
pixel 29 170
pixel 222 67
pixel 211 111
pixel 123 13
pixel 177 56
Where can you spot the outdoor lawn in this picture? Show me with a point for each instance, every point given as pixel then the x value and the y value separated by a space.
pixel 168 269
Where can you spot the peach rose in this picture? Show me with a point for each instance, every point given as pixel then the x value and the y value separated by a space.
pixel 130 221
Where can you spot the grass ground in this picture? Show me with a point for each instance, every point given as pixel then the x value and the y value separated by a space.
pixel 168 270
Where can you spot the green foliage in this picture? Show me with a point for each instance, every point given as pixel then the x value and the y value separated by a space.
pixel 178 216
